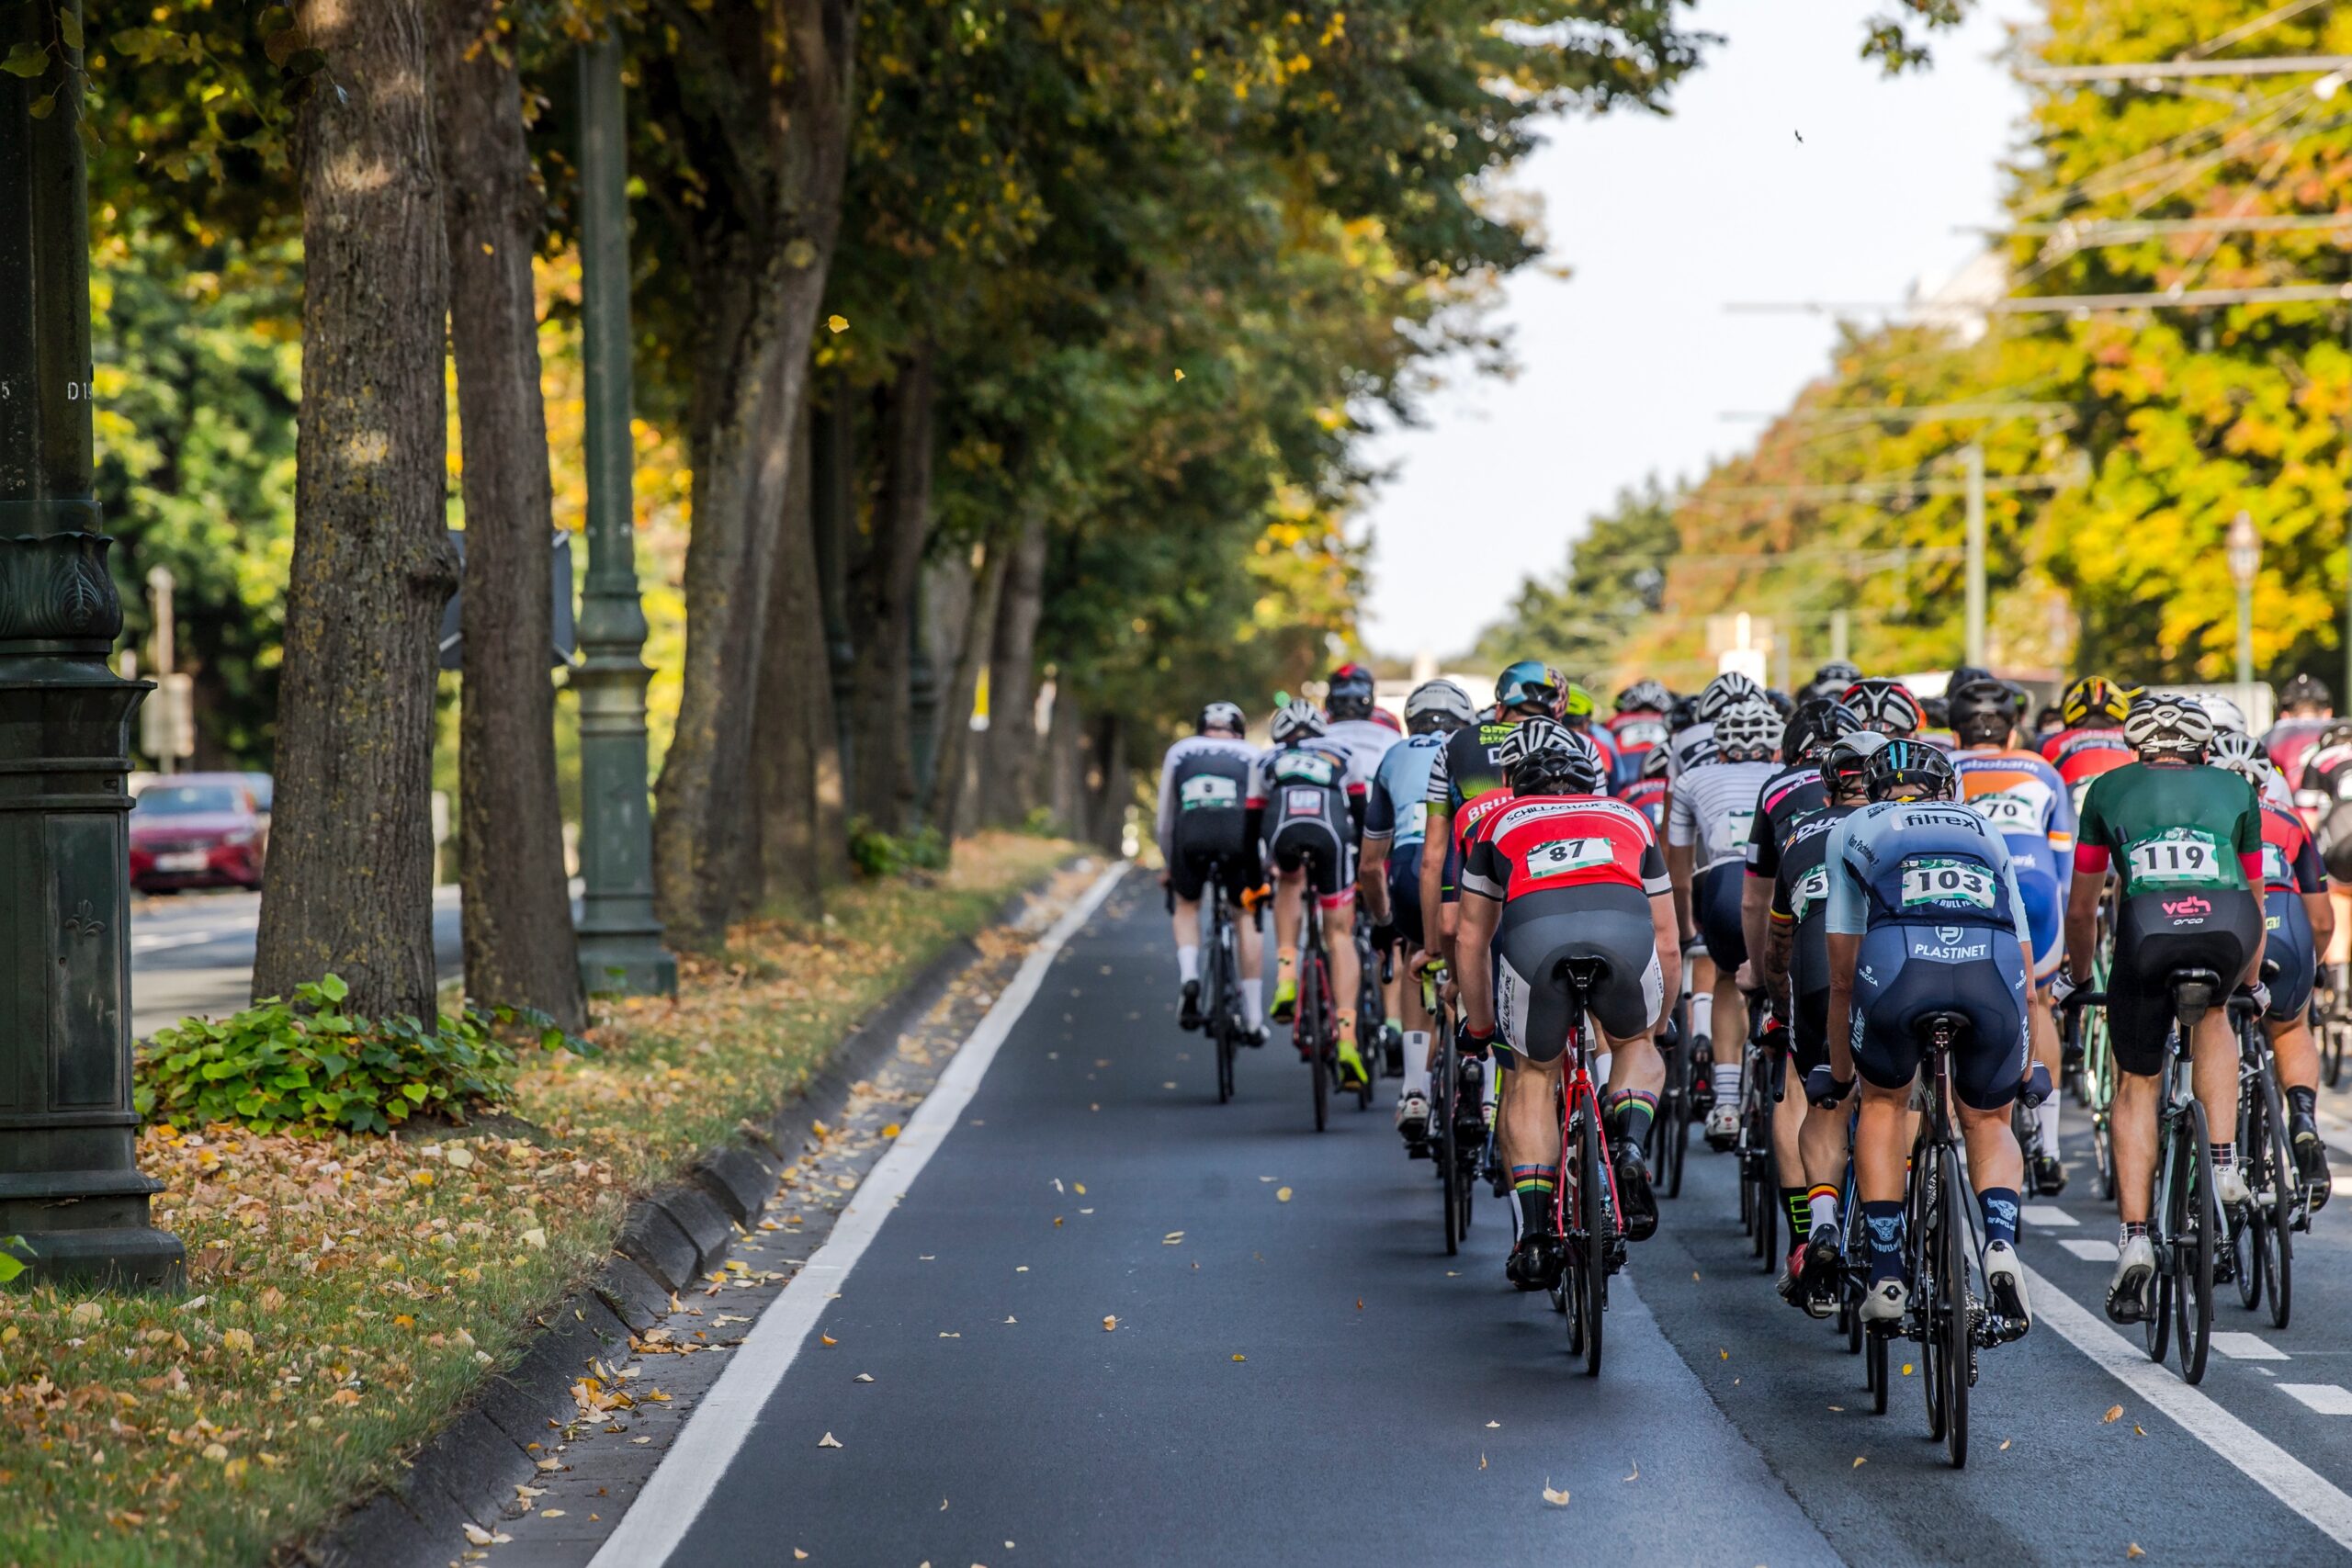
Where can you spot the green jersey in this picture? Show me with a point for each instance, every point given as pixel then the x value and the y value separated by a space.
pixel 2171 830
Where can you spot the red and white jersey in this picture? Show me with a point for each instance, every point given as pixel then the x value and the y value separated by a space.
pixel 1540 842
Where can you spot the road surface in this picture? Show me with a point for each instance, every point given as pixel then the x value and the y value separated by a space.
pixel 1109 1321
pixel 193 952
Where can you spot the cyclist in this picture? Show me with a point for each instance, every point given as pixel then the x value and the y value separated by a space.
pixel 2187 841
pixel 2047 723
pixel 1300 791
pixel 1203 820
pixel 1794 965
pixel 1648 792
pixel 1886 707
pixel 1707 828
pixel 2304 707
pixel 1467 768
pixel 1577 710
pixel 1388 878
pixel 1562 872
pixel 1693 744
pixel 1638 728
pixel 2026 800
pixel 1924 916
pixel 2092 741
pixel 2297 923
pixel 1356 727
pixel 1833 678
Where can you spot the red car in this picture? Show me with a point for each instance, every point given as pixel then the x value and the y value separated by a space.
pixel 198 831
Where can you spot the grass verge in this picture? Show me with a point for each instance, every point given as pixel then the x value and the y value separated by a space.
pixel 347 1292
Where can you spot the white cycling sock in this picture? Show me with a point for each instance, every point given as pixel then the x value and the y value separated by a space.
pixel 1417 1062
pixel 2047 1115
pixel 1825 1213
pixel 1702 1014
pixel 1253 1002
pixel 1600 1068
pixel 1727 1079
pixel 1188 965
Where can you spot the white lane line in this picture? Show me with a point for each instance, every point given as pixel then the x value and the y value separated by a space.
pixel 2046 1215
pixel 2327 1398
pixel 160 943
pixel 2239 1346
pixel 2262 1462
pixel 2088 1250
pixel 690 1471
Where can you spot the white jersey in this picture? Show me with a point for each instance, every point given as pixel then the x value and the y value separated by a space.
pixel 1365 741
pixel 1684 748
pixel 1714 809
pixel 1193 746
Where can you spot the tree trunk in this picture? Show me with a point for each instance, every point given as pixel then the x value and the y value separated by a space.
pixel 1110 789
pixel 882 593
pixel 351 865
pixel 950 768
pixel 793 724
pixel 1008 784
pixel 1066 764
pixel 519 944
pixel 764 276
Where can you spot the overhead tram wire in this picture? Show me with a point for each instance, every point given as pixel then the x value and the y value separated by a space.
pixel 2165 70
pixel 2092 233
pixel 2059 304
pixel 2117 176
pixel 2245 30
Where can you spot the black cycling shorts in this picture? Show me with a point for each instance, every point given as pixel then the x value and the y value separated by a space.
pixel 1906 972
pixel 1189 872
pixel 1809 1029
pixel 1540 931
pixel 2287 943
pixel 2156 934
pixel 1308 845
pixel 1714 900
pixel 1405 892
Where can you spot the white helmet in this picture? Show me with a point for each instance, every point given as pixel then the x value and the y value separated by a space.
pixel 1727 690
pixel 1571 764
pixel 1302 720
pixel 1441 700
pixel 2242 754
pixel 2161 722
pixel 1750 730
pixel 2227 716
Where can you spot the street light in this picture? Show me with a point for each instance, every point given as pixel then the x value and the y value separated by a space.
pixel 2244 553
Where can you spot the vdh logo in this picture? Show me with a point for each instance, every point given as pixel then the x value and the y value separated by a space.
pixel 2192 905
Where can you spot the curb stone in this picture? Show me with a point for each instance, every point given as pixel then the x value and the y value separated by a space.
pixel 467 1471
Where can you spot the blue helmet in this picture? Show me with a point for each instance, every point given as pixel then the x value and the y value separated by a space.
pixel 1528 683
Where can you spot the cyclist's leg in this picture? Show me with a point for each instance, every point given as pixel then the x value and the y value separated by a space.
pixel 2233 931
pixel 1187 878
pixel 1289 868
pixel 2045 908
pixel 1347 968
pixel 1820 1143
pixel 1249 938
pixel 1886 1059
pixel 2288 942
pixel 1715 906
pixel 1404 877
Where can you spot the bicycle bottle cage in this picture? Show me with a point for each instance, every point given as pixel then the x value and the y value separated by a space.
pixel 2193 991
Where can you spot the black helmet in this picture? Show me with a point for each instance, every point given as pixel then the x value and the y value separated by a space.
pixel 1982 713
pixel 1682 714
pixel 1816 723
pixel 1848 757
pixel 1967 674
pixel 1838 673
pixel 1657 762
pixel 1937 712
pixel 1350 693
pixel 2306 691
pixel 1644 695
pixel 1780 700
pixel 1887 706
pixel 1910 764
pixel 1542 756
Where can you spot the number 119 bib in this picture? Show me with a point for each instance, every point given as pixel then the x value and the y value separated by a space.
pixel 2177 857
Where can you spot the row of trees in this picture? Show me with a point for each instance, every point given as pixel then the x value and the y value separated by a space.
pixel 2130 439
pixel 981 346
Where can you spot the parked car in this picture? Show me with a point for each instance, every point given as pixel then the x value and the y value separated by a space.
pixel 199 830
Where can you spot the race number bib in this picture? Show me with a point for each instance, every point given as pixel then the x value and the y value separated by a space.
pixel 1416 820
pixel 1738 826
pixel 1811 890
pixel 1305 767
pixel 2177 857
pixel 1641 732
pixel 1302 802
pixel 2274 862
pixel 1208 793
pixel 1939 880
pixel 1563 856
pixel 2009 811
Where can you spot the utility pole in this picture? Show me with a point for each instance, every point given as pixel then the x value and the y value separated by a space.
pixel 1974 459
pixel 1839 632
pixel 69 1175
pixel 620 937
pixel 160 585
pixel 2244 552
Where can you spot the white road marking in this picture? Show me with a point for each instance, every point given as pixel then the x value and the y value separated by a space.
pixel 675 1493
pixel 2239 1346
pixel 2327 1398
pixel 2266 1464
pixel 2047 1215
pixel 161 943
pixel 2088 1250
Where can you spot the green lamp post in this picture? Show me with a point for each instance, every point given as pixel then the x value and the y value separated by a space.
pixel 68 1177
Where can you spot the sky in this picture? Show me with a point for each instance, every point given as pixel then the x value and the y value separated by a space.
pixel 1627 365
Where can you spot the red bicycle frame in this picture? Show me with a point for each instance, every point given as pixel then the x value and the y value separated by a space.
pixel 1576 1088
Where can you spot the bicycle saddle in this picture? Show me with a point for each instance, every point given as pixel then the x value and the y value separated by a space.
pixel 2193 992
pixel 1954 1025
pixel 1584 974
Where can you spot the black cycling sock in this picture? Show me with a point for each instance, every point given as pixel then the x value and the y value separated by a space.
pixel 2305 1103
pixel 1535 1186
pixel 1883 1224
pixel 1798 1200
pixel 1631 1110
pixel 2000 1206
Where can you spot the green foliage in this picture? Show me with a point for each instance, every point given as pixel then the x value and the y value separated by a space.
pixel 877 854
pixel 307 1067
pixel 11 1264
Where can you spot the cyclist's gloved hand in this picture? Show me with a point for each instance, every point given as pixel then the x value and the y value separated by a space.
pixel 2261 995
pixel 1383 935
pixel 2062 987
pixel 1475 1044
pixel 1823 1086
pixel 2037 1087
pixel 1695 947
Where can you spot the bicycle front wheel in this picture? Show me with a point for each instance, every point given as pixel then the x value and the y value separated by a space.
pixel 2199 1237
pixel 1447 1107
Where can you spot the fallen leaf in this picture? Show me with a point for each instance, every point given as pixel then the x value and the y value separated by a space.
pixel 1557 1499
pixel 1110 1324
pixel 829 1441
pixel 1839 1408
pixel 1493 1425
pixel 1482 1460
pixel 550 1513
pixel 1171 1239
pixel 2143 1431
pixel 892 1131
pixel 1079 1187
pixel 1179 375
pixel 2005 1444
pixel 1859 1462
pixel 798 1555
pixel 1359 1304
pixel 1239 1357
pixel 828 1339
pixel 837 323
pixel 1906 1369
pixel 1282 1194
pixel 863 1377
pixel 2114 1414
pixel 236 1339
pixel 2132 1549
pixel 1726 1355
pixel 476 1535
pixel 1637 1472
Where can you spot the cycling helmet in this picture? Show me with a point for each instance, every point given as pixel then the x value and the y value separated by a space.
pixel 1578 703
pixel 1351 692
pixel 1816 723
pixel 1529 736
pixel 1904 764
pixel 2241 754
pixel 2305 691
pixel 1554 760
pixel 1657 762
pixel 1884 706
pixel 2227 716
pixel 1782 703
pixel 1750 732
pixel 1849 756
pixel 1682 714
pixel 1221 716
pixel 2168 727
pixel 1966 675
pixel 2095 703
pixel 1438 704
pixel 2048 720
pixel 1936 712
pixel 1838 673
pixel 1301 720
pixel 1982 712
pixel 1646 696
pixel 1528 683
pixel 1725 690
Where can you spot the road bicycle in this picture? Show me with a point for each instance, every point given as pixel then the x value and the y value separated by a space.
pixel 1220 982
pixel 1760 1086
pixel 1315 1027
pixel 1458 1127
pixel 2087 1049
pixel 1584 1211
pixel 1671 1127
pixel 2333 1007
pixel 2261 1252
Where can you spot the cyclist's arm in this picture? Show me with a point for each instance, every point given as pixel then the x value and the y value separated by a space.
pixel 1755 915
pixel 2082 910
pixel 1435 838
pixel 1677 867
pixel 1164 820
pixel 1372 877
pixel 1846 915
pixel 1668 935
pixel 1472 970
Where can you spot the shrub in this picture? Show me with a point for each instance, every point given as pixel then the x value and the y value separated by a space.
pixel 876 854
pixel 304 1065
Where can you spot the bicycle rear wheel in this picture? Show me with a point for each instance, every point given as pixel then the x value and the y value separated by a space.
pixel 1672 1130
pixel 1955 1314
pixel 1313 1029
pixel 1764 1176
pixel 1598 1225
pixel 2285 1192
pixel 2245 1231
pixel 1926 1284
pixel 1447 1099
pixel 2193 1305
pixel 1220 1009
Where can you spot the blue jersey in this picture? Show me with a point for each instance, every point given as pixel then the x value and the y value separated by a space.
pixel 1924 863
pixel 1397 807
pixel 2022 797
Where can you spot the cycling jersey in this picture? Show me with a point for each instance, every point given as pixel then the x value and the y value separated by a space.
pixel 1786 798
pixel 1715 808
pixel 1800 899
pixel 1301 791
pixel 1540 844
pixel 1636 733
pixel 2082 755
pixel 2175 830
pixel 1206 790
pixel 1365 742
pixel 2290 868
pixel 1648 797
pixel 2289 859
pixel 1465 765
pixel 1396 807
pixel 2022 796
pixel 2291 742
pixel 1694 745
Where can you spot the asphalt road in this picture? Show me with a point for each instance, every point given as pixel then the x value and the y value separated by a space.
pixel 1110 1321
pixel 193 954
